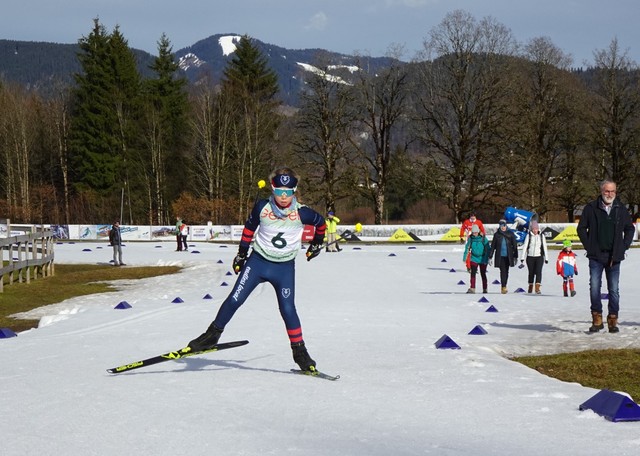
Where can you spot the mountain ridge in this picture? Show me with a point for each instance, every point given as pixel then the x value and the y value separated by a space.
pixel 41 66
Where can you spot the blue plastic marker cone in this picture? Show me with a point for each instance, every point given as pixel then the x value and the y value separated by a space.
pixel 461 282
pixel 219 261
pixel 123 305
pixel 5 333
pixel 491 309
pixel 195 251
pixel 613 406
pixel 478 331
pixel 604 296
pixel 452 270
pixel 519 290
pixel 207 296
pixel 177 300
pixel 229 273
pixel 496 282
pixel 446 342
pixel 224 284
pixel 444 260
pixel 483 299
pixel 392 254
pixel 86 250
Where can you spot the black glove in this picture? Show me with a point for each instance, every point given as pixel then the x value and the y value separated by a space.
pixel 313 251
pixel 238 262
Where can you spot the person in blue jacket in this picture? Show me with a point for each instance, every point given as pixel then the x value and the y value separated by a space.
pixel 476 250
pixel 275 225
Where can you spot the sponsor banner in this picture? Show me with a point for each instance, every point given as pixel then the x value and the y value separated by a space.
pixel 452 235
pixel 400 236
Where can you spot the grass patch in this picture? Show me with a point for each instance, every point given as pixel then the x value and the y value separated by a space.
pixel 70 280
pixel 611 369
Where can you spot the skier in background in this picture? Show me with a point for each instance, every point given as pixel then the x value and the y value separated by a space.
pixel 276 225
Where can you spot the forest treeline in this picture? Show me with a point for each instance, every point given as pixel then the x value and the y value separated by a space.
pixel 477 122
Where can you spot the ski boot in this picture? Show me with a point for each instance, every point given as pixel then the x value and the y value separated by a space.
pixel 207 339
pixel 302 358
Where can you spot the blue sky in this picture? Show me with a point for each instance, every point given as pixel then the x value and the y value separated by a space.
pixel 577 27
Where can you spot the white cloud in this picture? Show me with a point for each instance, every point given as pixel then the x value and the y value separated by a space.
pixel 317 22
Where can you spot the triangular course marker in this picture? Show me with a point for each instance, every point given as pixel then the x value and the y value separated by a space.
pixel 452 270
pixel 478 331
pixel 123 305
pixel 5 333
pixel 519 290
pixel 207 296
pixel 491 309
pixel 177 300
pixel 483 299
pixel 613 406
pixel 446 342
pixel 461 282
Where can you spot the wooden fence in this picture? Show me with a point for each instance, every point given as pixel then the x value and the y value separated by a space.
pixel 26 254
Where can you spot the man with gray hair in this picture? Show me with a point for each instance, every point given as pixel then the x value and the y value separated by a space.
pixel 606 232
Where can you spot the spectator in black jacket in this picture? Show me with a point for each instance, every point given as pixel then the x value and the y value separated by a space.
pixel 505 249
pixel 606 232
pixel 115 240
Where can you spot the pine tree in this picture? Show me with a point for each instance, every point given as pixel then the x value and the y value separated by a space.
pixel 104 117
pixel 251 88
pixel 165 133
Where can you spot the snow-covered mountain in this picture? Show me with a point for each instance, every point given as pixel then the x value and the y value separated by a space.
pixel 42 65
pixel 210 55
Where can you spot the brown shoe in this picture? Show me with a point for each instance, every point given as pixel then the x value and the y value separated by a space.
pixel 538 288
pixel 596 323
pixel 530 289
pixel 503 290
pixel 612 323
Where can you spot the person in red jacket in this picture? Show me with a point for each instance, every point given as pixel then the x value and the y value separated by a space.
pixel 567 267
pixel 465 229
pixel 465 232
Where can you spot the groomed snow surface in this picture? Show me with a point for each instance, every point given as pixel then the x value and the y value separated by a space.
pixel 369 313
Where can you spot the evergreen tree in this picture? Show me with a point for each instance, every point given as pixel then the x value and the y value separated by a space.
pixel 104 118
pixel 251 87
pixel 165 133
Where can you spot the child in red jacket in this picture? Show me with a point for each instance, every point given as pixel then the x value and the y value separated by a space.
pixel 567 267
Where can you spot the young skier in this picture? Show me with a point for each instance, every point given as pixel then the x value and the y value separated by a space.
pixel 567 267
pixel 277 225
pixel 477 251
